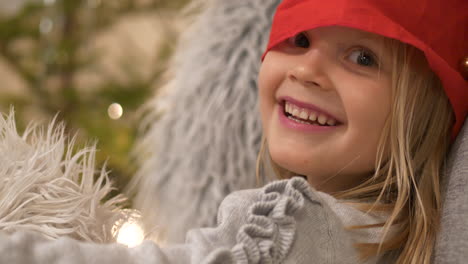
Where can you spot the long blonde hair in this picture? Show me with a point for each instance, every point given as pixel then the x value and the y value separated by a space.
pixel 409 163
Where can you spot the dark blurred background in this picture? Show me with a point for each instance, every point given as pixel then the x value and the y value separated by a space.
pixel 92 62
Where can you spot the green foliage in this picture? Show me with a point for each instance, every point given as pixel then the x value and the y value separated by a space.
pixel 49 62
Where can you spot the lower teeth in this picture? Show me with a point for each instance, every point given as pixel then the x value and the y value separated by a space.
pixel 304 122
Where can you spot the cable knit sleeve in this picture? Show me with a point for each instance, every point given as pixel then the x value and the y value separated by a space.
pixel 284 222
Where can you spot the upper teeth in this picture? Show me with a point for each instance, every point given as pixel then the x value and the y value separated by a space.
pixel 307 114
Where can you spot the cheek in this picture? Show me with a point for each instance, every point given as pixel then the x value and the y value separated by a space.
pixel 269 80
pixel 263 93
pixel 368 107
pixel 366 100
pixel 272 71
pixel 265 84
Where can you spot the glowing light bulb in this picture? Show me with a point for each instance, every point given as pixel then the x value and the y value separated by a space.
pixel 46 25
pixel 130 234
pixel 115 111
pixel 128 230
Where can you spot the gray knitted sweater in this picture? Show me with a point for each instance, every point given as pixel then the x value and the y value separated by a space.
pixel 285 222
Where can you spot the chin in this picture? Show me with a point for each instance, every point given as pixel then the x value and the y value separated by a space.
pixel 297 165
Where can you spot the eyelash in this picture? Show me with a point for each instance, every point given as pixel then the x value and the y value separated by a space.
pixel 301 41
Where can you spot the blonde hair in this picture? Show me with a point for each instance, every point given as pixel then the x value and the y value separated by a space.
pixel 409 163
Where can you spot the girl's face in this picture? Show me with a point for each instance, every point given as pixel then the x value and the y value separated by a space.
pixel 324 97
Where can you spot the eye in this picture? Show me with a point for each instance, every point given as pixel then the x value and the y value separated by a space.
pixel 363 57
pixel 300 40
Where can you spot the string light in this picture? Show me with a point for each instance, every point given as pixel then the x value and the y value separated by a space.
pixel 128 230
pixel 46 25
pixel 115 111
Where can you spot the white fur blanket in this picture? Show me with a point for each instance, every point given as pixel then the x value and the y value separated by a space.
pixel 47 187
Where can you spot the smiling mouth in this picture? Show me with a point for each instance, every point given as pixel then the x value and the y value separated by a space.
pixel 307 116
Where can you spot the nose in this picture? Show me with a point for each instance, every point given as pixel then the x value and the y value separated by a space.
pixel 309 69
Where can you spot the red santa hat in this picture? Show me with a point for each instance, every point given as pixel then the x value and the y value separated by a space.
pixel 438 28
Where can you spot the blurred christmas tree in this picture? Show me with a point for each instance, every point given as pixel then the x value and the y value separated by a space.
pixel 59 49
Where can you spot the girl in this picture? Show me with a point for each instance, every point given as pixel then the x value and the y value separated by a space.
pixel 360 101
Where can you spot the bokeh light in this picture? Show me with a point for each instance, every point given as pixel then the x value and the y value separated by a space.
pixel 115 111
pixel 49 2
pixel 46 25
pixel 128 229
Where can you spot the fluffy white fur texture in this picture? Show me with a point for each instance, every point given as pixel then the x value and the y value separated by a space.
pixel 47 187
